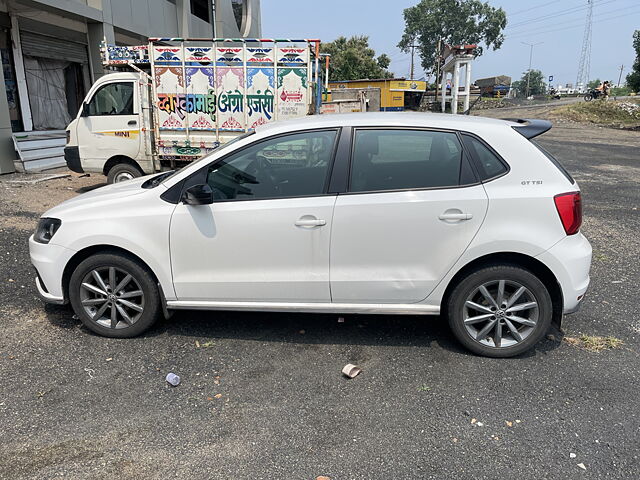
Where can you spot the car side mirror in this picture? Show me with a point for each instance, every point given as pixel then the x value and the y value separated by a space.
pixel 198 195
pixel 85 109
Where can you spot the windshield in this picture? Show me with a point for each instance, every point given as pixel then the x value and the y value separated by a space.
pixel 161 178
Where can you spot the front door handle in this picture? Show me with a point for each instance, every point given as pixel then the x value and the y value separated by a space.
pixel 132 122
pixel 455 216
pixel 310 222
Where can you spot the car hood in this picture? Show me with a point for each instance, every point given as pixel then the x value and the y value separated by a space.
pixel 101 196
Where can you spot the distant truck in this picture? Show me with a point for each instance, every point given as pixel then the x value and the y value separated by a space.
pixel 494 86
pixel 181 98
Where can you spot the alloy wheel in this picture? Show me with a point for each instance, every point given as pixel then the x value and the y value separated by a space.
pixel 500 313
pixel 111 297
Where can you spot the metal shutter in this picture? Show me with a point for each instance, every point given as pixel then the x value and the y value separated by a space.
pixel 44 46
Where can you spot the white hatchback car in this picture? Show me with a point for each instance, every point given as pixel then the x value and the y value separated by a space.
pixel 386 213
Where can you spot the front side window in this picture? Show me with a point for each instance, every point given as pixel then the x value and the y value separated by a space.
pixel 396 159
pixel 287 166
pixel 112 99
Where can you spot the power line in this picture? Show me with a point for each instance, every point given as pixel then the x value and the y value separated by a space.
pixel 559 13
pixel 532 8
pixel 570 22
pixel 540 32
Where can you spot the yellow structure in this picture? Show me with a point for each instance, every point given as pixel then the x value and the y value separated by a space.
pixel 396 94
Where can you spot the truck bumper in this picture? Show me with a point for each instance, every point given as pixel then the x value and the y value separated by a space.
pixel 72 157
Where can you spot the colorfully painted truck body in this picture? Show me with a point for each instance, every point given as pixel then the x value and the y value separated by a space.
pixel 179 99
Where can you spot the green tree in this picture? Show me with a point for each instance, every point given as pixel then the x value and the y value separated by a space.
pixel 455 22
pixel 536 84
pixel 593 83
pixel 352 59
pixel 633 79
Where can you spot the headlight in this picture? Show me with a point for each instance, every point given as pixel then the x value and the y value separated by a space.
pixel 47 228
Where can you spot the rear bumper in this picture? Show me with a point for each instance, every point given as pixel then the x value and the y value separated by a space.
pixel 72 157
pixel 570 261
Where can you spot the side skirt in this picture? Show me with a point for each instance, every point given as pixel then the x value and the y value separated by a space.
pixel 369 308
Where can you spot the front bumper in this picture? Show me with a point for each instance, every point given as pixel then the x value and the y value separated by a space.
pixel 49 261
pixel 45 295
pixel 72 157
pixel 570 261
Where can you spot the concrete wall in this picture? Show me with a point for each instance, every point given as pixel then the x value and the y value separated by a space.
pixel 126 22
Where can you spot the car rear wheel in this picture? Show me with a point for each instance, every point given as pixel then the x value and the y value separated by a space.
pixel 114 295
pixel 500 311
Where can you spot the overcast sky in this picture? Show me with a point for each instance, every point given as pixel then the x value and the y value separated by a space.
pixel 558 24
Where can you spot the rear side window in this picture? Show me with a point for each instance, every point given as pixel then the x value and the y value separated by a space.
pixel 488 164
pixel 555 161
pixel 394 159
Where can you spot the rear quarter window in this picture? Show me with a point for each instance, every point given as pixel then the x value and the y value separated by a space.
pixel 488 164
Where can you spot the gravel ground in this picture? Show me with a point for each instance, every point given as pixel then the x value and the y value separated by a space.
pixel 262 396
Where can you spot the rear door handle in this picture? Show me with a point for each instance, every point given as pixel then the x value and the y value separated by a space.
pixel 132 122
pixel 455 216
pixel 310 222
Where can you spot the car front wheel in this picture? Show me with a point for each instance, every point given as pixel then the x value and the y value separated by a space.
pixel 114 295
pixel 500 311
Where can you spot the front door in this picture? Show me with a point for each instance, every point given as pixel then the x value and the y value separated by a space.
pixel 407 217
pixel 266 236
pixel 112 126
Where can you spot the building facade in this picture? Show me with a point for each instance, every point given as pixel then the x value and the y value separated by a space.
pixel 51 56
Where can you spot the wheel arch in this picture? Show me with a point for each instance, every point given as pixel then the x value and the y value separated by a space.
pixel 116 159
pixel 87 252
pixel 535 266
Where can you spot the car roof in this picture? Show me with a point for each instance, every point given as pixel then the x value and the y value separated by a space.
pixel 385 119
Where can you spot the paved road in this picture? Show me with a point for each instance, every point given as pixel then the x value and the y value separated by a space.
pixel 80 406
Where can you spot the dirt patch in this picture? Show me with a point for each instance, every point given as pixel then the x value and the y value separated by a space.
pixel 593 343
pixel 616 114
pixel 37 198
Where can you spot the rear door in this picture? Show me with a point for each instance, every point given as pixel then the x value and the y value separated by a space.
pixel 413 206
pixel 112 126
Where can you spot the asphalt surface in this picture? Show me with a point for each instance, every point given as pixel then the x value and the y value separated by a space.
pixel 262 396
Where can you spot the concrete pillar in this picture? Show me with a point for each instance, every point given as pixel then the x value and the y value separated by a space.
pixel 183 8
pixel 7 152
pixel 454 88
pixel 21 79
pixel 467 84
pixel 443 89
pixel 96 33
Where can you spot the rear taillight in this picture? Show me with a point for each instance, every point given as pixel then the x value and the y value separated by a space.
pixel 569 206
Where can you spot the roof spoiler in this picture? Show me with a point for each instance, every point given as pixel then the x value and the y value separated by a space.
pixel 529 127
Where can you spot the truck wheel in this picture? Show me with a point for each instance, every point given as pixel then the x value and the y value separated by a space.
pixel 122 172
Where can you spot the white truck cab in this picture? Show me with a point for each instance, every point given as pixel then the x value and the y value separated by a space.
pixel 105 137
pixel 182 98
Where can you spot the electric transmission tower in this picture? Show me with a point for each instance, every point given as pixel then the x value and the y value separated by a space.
pixel 585 57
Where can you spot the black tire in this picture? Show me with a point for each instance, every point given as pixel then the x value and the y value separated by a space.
pixel 142 280
pixel 487 346
pixel 122 172
pixel 588 97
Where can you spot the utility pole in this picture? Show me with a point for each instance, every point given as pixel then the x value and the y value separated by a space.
pixel 620 76
pixel 530 57
pixel 412 52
